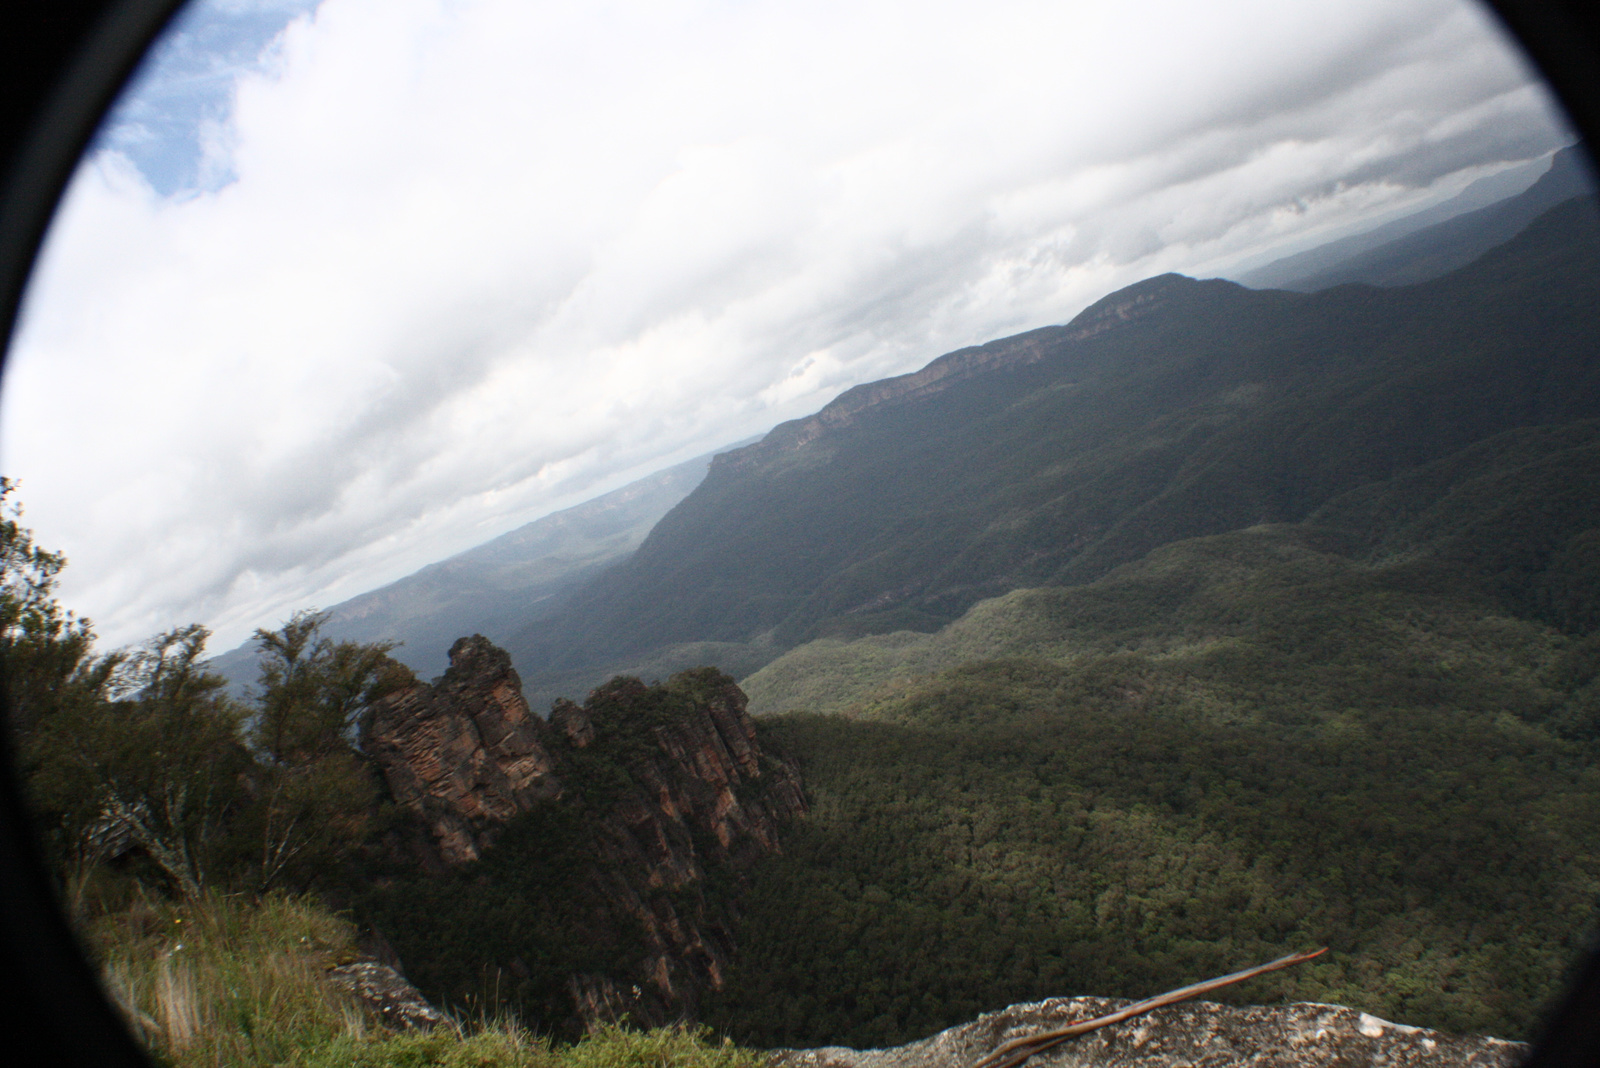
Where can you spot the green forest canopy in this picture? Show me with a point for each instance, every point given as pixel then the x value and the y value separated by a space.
pixel 1240 745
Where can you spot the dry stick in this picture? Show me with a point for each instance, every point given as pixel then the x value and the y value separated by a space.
pixel 1013 1053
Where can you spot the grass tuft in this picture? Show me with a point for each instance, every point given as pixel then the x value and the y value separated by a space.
pixel 227 980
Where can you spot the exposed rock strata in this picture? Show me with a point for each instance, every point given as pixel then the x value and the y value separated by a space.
pixel 466 753
pixel 669 781
pixel 1125 306
pixel 1181 1036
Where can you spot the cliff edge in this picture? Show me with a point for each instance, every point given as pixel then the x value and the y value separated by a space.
pixel 1184 1036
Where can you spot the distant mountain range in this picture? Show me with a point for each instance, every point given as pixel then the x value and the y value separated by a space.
pixel 496 588
pixel 1171 409
pixel 1429 243
pixel 1214 622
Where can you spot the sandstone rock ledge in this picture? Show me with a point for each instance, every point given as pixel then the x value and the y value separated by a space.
pixel 1198 1034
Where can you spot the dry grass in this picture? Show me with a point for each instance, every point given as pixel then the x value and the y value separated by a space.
pixel 232 981
pixel 228 981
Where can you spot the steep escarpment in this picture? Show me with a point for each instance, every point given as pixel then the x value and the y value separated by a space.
pixel 680 794
pixel 1022 350
pixel 591 861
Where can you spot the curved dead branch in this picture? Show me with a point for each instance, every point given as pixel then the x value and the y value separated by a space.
pixel 1018 1050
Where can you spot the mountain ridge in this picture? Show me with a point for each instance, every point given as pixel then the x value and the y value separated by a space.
pixel 498 585
pixel 1480 194
pixel 1425 253
pixel 1125 305
pixel 1053 456
pixel 472 593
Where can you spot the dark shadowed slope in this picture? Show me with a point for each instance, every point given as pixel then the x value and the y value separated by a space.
pixel 1171 409
pixel 1506 529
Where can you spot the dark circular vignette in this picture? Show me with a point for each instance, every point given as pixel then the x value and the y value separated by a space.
pixel 62 63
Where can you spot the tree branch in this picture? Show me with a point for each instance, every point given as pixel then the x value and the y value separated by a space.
pixel 1018 1050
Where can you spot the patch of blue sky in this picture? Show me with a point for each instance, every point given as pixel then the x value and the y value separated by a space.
pixel 171 119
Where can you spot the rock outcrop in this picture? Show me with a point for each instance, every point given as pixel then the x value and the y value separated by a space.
pixel 701 795
pixel 465 753
pixel 381 988
pixel 1180 1036
pixel 668 783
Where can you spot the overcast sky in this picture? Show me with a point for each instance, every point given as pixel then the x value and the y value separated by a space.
pixel 348 287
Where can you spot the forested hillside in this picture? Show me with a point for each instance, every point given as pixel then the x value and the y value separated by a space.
pixel 1374 730
pixel 1244 743
pixel 1510 522
pixel 1171 409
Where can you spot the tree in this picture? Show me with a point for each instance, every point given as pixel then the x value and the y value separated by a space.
pixel 142 752
pixel 154 760
pixel 45 656
pixel 314 795
pixel 175 758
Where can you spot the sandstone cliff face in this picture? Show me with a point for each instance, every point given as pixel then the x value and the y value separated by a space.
pixel 1125 306
pixel 1197 1033
pixel 466 753
pixel 668 781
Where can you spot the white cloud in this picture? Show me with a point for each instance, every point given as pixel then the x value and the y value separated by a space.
pixel 483 258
